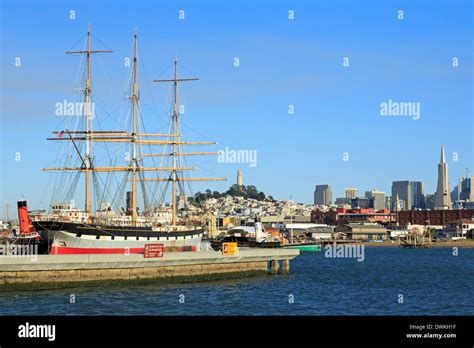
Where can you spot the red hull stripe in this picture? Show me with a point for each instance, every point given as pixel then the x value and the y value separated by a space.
pixel 58 250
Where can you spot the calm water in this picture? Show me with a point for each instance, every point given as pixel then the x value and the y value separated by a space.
pixel 432 281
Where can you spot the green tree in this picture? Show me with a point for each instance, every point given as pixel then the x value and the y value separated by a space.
pixel 249 191
pixel 252 192
pixel 470 234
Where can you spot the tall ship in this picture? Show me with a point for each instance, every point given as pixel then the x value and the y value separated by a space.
pixel 100 228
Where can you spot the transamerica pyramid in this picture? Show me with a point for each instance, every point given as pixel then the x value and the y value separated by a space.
pixel 443 198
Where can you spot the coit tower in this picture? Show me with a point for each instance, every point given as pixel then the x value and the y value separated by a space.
pixel 240 180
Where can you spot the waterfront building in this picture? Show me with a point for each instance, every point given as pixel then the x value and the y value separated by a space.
pixel 458 228
pixel 363 231
pixel 432 217
pixel 322 195
pixel 443 198
pixel 281 220
pixel 321 232
pixel 401 195
pixel 397 232
pixel 377 199
pixel 344 216
pixel 350 192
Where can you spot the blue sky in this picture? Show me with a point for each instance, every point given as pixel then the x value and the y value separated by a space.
pixel 282 62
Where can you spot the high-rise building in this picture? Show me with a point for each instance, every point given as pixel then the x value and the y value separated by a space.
pixel 343 201
pixel 377 199
pixel 456 193
pixel 466 192
pixel 442 197
pixel 360 202
pixel 430 201
pixel 402 190
pixel 417 195
pixel 322 195
pixel 350 192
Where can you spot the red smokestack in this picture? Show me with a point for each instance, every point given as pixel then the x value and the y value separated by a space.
pixel 23 217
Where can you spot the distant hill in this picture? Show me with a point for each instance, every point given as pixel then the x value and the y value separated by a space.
pixel 249 191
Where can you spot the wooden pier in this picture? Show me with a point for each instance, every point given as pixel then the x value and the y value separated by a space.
pixel 416 242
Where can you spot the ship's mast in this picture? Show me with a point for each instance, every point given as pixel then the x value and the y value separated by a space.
pixel 88 134
pixel 135 138
pixel 175 154
pixel 174 174
pixel 175 130
pixel 134 133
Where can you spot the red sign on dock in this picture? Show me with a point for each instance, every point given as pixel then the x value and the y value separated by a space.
pixel 154 250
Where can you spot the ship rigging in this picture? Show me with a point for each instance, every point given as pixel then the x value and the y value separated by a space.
pixel 68 229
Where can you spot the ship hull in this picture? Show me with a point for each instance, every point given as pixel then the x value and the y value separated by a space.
pixel 74 238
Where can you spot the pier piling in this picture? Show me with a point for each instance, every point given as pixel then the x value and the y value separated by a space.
pixel 274 266
pixel 285 266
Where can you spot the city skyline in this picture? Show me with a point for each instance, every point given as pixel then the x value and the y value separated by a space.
pixel 248 107
pixel 367 193
pixel 414 188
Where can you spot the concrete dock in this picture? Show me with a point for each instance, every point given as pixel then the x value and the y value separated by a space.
pixel 57 271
